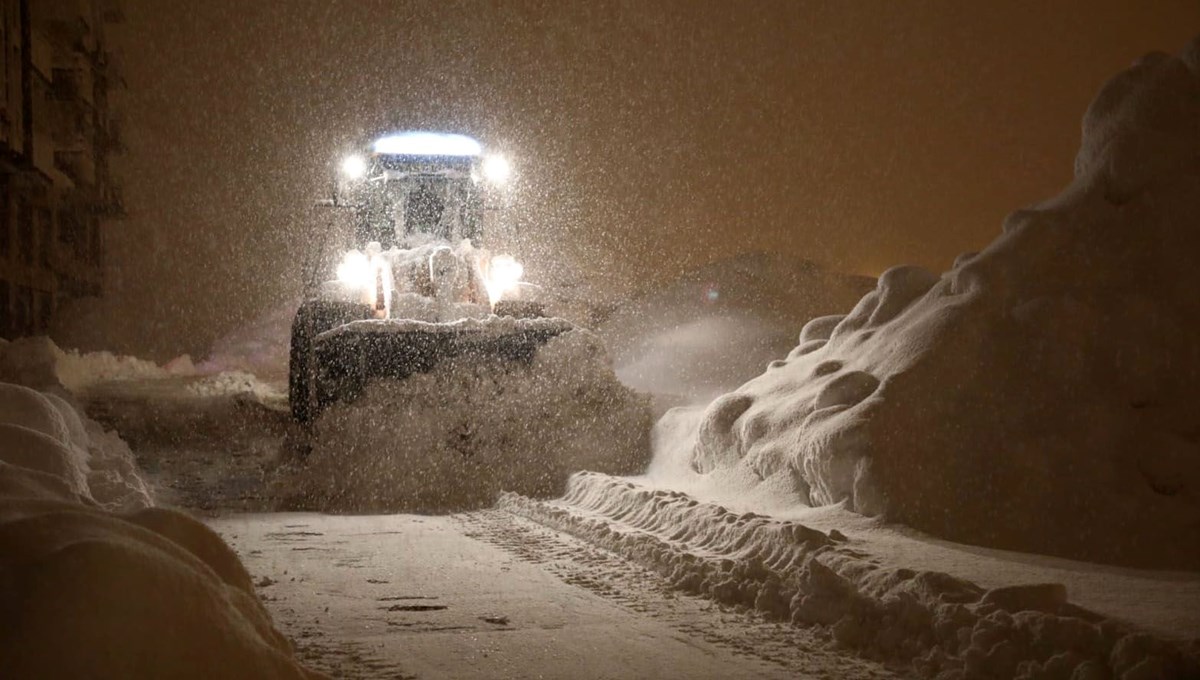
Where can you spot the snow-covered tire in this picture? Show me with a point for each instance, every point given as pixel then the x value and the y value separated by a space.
pixel 313 318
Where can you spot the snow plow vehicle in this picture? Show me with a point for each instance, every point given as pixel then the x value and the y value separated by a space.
pixel 414 286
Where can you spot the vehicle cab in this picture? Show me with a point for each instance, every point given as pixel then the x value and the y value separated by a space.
pixel 414 183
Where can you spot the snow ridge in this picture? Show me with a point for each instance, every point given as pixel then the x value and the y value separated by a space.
pixel 943 626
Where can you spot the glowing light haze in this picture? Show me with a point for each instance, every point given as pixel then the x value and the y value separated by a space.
pixel 503 276
pixel 428 144
pixel 496 169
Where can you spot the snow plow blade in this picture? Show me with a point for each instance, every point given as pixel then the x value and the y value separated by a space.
pixel 347 359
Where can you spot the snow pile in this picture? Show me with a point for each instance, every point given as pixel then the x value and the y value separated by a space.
pixel 152 593
pixel 39 362
pixel 46 443
pixel 452 438
pixel 213 413
pixel 231 383
pixel 1044 394
pixel 715 328
pixel 145 402
pixel 945 627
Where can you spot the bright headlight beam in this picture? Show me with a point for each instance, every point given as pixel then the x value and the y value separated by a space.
pixel 354 167
pixel 503 276
pixel 496 169
pixel 355 269
pixel 427 144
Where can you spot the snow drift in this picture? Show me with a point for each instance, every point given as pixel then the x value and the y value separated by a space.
pixel 146 403
pixel 452 438
pixel 48 445
pixel 1044 394
pixel 38 361
pixel 718 326
pixel 944 626
pixel 89 593
pixel 152 594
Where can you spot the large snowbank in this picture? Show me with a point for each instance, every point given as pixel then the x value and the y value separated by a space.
pixel 210 415
pixel 452 438
pixel 148 593
pixel 1042 395
pixel 946 627
pixel 715 328
pixel 151 594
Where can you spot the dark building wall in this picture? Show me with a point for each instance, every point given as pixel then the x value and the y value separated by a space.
pixel 57 133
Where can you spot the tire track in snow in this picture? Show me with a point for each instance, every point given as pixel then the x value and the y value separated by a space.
pixel 774 645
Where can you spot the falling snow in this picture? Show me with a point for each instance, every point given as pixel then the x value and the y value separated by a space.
pixel 732 454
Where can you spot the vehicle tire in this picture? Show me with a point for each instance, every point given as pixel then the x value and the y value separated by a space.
pixel 312 319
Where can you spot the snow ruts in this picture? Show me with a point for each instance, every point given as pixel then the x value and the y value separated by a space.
pixel 944 626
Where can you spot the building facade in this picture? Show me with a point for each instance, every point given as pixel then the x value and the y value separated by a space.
pixel 57 136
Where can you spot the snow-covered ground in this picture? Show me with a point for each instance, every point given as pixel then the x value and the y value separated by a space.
pixel 491 595
pixel 891 594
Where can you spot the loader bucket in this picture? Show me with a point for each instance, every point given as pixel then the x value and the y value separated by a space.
pixel 347 359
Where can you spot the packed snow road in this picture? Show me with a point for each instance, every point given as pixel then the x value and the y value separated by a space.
pixel 621 577
pixel 492 595
pixel 486 594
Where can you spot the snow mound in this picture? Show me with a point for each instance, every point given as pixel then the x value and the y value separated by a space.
pixel 718 326
pixel 452 438
pixel 43 436
pixel 152 594
pixel 1043 395
pixel 230 383
pixel 40 363
pixel 943 626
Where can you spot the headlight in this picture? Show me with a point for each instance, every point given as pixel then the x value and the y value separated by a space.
pixel 496 169
pixel 503 276
pixel 355 269
pixel 354 167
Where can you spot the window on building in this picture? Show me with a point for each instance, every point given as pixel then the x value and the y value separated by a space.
pixel 96 254
pixel 70 229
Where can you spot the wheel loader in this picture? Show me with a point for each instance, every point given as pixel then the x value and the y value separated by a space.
pixel 411 284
